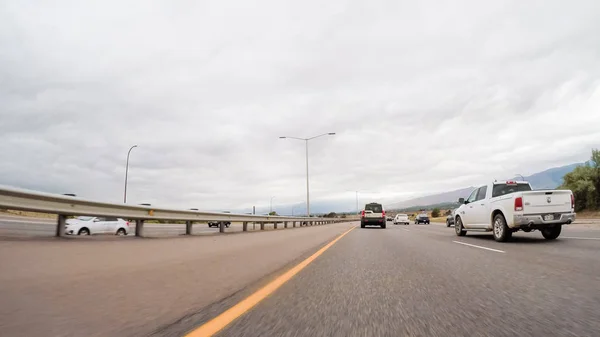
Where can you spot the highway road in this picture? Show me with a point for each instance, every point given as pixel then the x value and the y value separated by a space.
pixel 402 281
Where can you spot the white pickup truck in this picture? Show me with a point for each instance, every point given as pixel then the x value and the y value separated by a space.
pixel 509 206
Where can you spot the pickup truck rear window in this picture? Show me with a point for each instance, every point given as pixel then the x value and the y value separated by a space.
pixel 502 189
pixel 375 208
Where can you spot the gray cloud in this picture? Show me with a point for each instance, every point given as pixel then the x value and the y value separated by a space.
pixel 424 97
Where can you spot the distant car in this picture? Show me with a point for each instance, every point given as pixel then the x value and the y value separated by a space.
pixel 422 218
pixel 401 219
pixel 389 218
pixel 91 225
pixel 218 223
pixel 450 219
pixel 373 215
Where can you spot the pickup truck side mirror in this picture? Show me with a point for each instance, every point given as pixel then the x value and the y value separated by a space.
pixel 461 200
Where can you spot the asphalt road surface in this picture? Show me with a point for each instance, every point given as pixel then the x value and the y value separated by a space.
pixel 128 286
pixel 417 280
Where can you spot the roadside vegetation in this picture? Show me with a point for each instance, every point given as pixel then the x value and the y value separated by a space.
pixel 584 181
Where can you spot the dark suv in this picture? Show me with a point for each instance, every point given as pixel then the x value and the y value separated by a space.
pixel 373 215
pixel 422 218
pixel 218 223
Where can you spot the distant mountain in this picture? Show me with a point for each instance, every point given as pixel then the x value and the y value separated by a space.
pixel 548 179
pixel 442 206
pixel 446 197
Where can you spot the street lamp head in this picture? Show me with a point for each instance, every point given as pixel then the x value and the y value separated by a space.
pixel 331 133
pixel 282 137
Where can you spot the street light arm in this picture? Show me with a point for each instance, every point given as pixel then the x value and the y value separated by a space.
pixel 131 148
pixel 307 139
pixel 297 138
pixel 325 134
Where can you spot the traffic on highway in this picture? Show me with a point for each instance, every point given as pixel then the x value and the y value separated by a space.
pixel 300 168
pixel 404 280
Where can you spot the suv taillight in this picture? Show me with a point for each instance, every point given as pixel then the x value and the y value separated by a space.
pixel 518 204
pixel 362 214
pixel 572 202
pixel 383 213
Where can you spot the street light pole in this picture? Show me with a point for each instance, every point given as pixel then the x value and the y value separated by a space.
pixel 271 206
pixel 126 172
pixel 307 188
pixel 521 176
pixel 307 183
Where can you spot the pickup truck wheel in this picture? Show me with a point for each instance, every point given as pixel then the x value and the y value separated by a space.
pixel 362 225
pixel 383 226
pixel 501 231
pixel 458 228
pixel 551 233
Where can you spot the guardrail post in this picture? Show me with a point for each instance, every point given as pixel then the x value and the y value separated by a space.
pixel 221 227
pixel 139 228
pixel 262 226
pixel 60 225
pixel 188 228
pixel 294 224
pixel 285 224
pixel 275 225
pixel 245 227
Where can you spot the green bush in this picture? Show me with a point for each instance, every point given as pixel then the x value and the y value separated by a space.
pixel 435 213
pixel 584 182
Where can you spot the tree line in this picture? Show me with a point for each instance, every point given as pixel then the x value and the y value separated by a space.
pixel 584 182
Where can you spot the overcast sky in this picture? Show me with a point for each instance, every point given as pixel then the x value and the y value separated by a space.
pixel 425 96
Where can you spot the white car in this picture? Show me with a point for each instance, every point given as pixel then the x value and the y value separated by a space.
pixel 89 225
pixel 509 206
pixel 401 219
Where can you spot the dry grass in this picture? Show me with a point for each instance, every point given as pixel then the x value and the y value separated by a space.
pixel 588 215
pixel 28 214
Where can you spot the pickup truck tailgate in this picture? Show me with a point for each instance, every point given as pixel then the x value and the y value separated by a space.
pixel 546 202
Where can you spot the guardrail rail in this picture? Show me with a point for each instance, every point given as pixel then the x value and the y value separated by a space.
pixel 64 206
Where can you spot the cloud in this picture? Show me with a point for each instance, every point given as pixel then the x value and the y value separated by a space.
pixel 424 97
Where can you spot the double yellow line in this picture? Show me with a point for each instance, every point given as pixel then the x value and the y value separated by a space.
pixel 218 323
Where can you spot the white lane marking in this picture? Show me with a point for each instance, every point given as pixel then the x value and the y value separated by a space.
pixel 480 247
pixel 578 238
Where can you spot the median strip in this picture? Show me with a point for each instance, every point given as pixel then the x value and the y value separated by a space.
pixel 480 247
pixel 218 323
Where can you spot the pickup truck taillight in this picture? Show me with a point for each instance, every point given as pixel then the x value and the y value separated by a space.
pixel 362 214
pixel 518 204
pixel 572 202
pixel 383 214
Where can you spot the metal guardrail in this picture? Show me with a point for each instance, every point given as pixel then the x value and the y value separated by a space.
pixel 63 206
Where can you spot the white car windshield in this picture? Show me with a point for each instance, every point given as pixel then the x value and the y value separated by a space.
pixel 84 218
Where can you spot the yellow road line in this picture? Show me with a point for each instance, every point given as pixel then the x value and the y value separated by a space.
pixel 218 323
